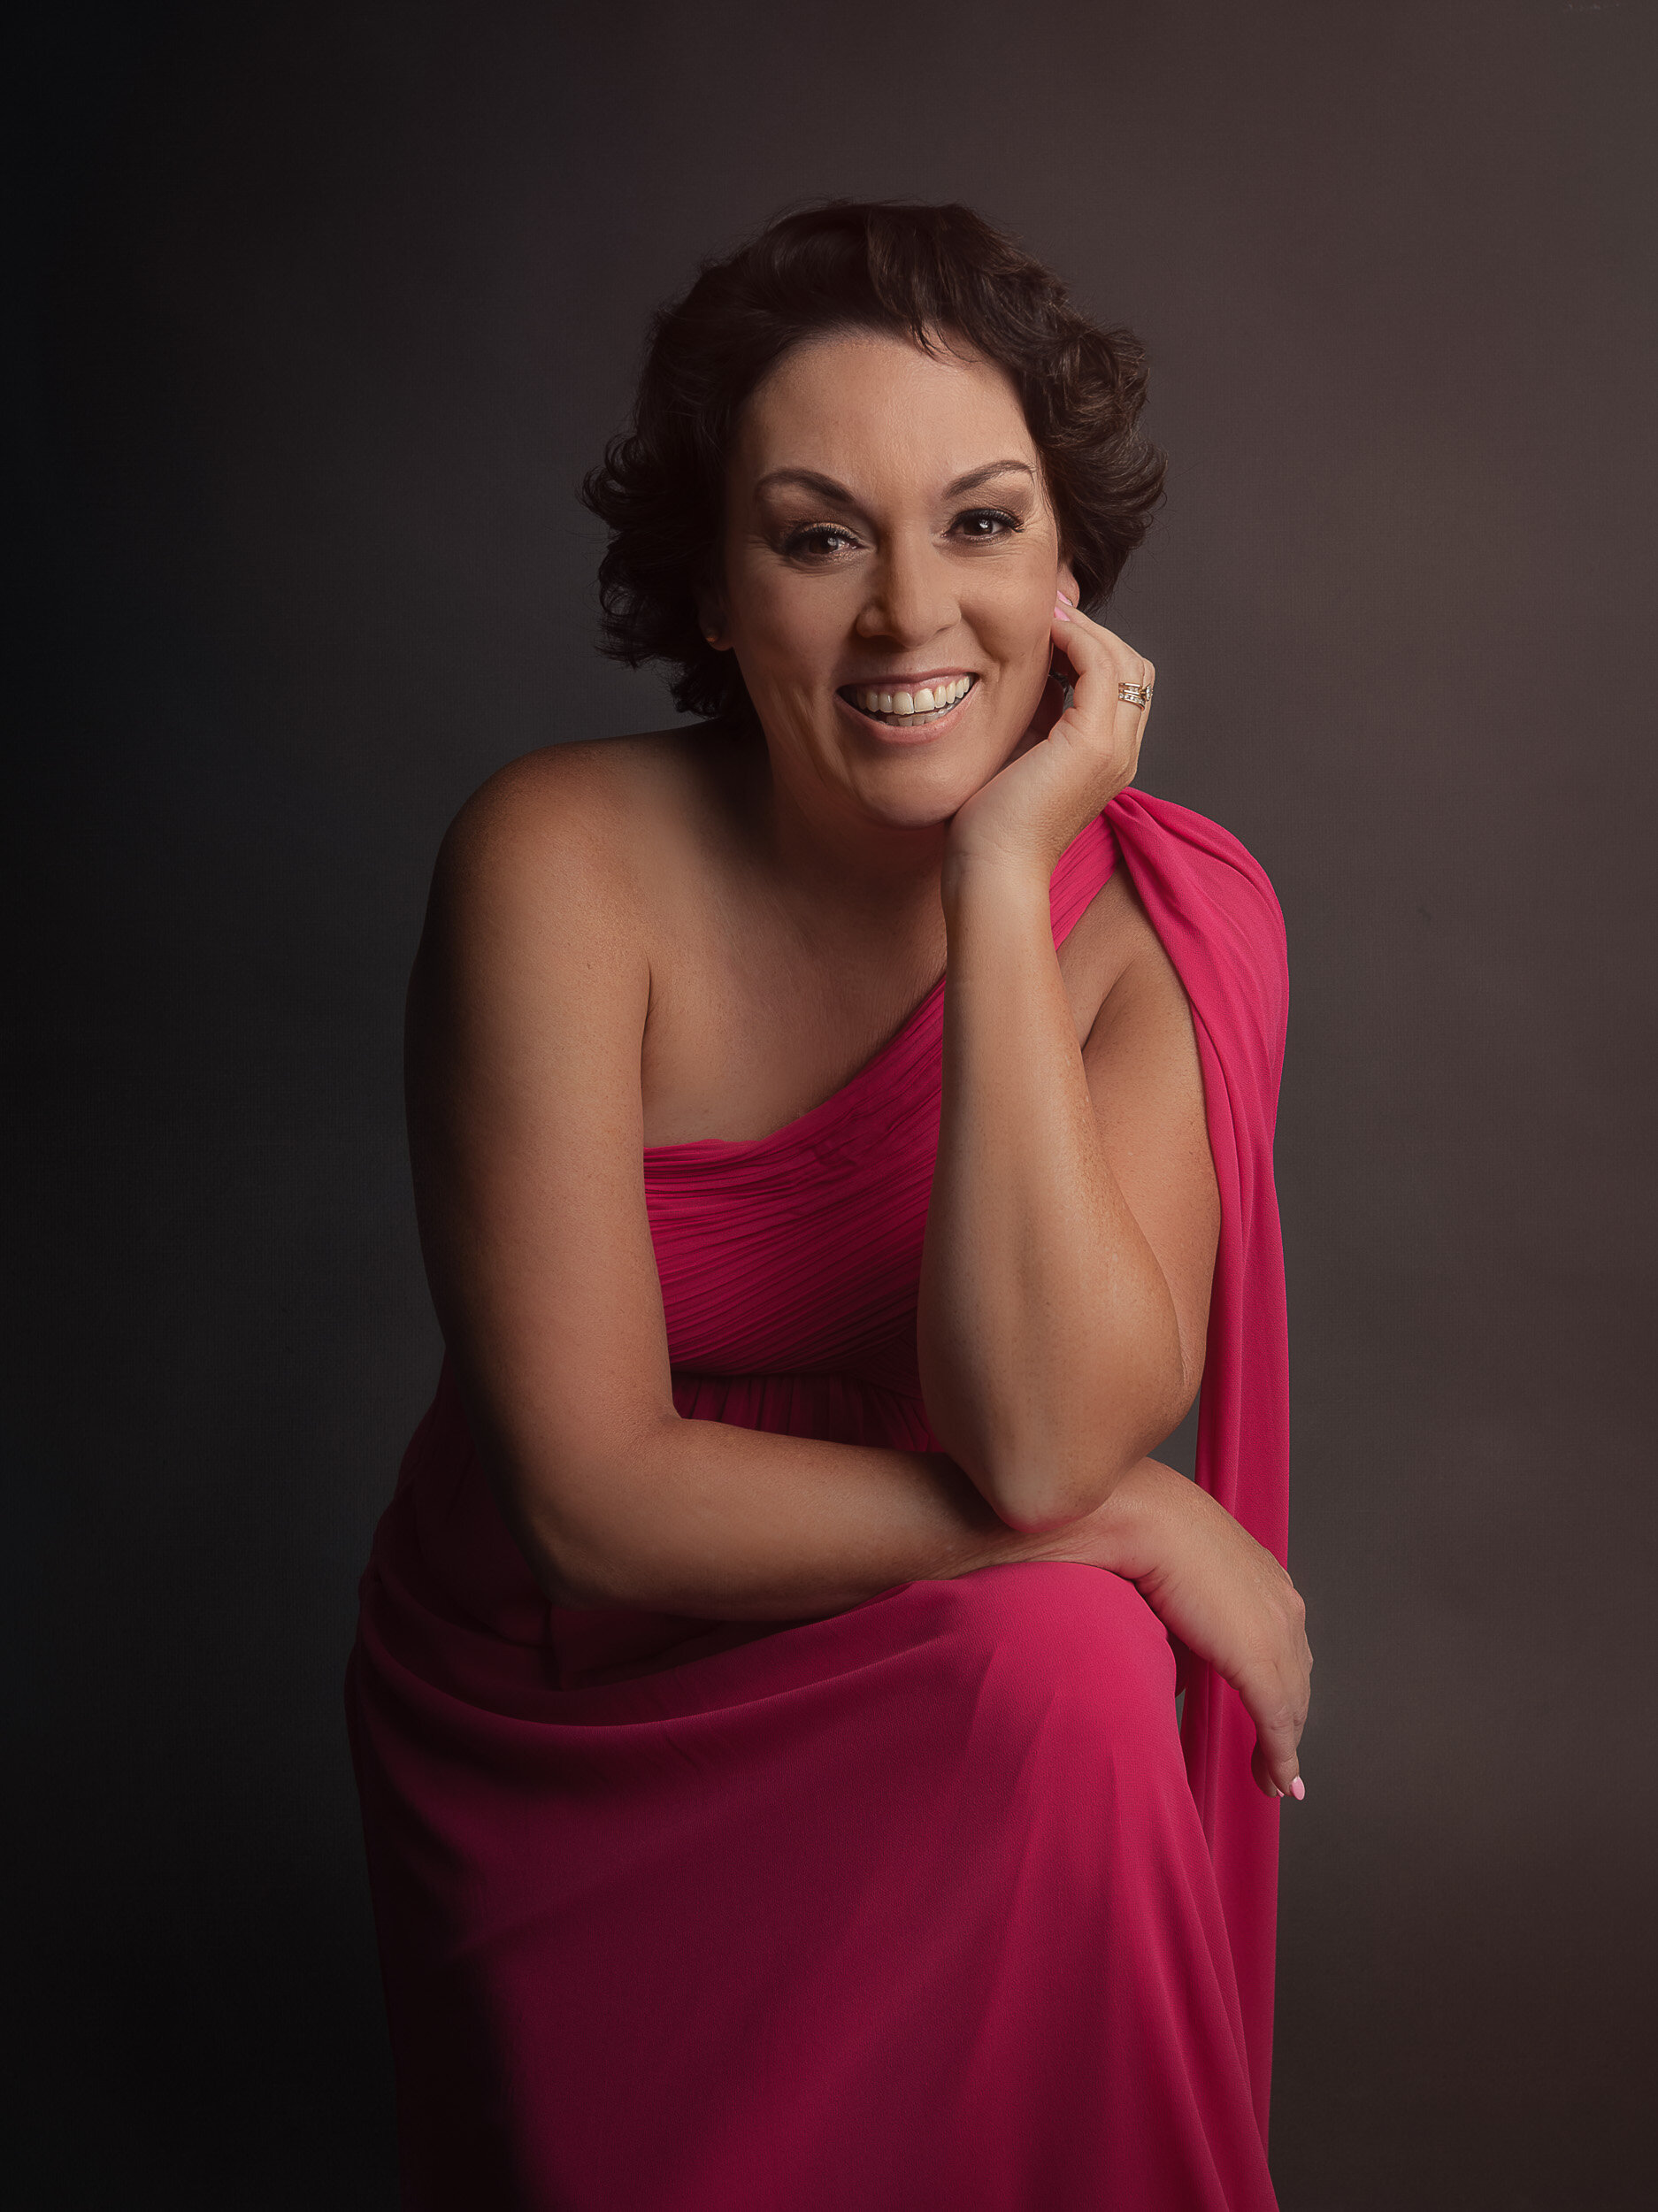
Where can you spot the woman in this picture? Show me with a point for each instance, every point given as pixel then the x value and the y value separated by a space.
pixel 840 1135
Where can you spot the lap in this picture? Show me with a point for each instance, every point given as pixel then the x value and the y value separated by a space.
pixel 932 1862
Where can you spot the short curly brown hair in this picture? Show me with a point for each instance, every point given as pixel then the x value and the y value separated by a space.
pixel 917 272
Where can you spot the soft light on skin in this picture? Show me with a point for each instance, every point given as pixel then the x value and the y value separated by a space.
pixel 855 552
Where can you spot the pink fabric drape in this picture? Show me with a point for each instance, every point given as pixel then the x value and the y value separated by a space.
pixel 1219 921
pixel 912 1907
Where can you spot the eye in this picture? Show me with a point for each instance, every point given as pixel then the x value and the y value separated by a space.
pixel 980 525
pixel 818 540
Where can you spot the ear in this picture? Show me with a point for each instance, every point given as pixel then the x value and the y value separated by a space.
pixel 710 619
pixel 1068 581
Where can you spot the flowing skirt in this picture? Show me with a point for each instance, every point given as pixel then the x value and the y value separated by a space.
pixel 905 1910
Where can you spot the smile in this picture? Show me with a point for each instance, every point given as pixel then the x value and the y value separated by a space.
pixel 911 708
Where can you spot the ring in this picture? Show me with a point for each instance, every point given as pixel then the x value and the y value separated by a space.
pixel 1136 695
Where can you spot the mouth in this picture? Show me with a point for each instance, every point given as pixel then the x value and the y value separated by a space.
pixel 911 705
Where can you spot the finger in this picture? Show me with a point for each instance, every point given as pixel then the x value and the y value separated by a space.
pixel 1274 1778
pixel 1134 667
pixel 1093 648
pixel 1094 644
pixel 1140 709
pixel 1131 671
pixel 1102 663
pixel 1276 1761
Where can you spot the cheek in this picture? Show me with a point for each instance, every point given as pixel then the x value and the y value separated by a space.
pixel 1019 631
pixel 1016 609
pixel 794 624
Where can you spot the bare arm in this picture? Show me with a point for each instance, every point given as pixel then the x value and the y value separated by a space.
pixel 1071 1234
pixel 525 1015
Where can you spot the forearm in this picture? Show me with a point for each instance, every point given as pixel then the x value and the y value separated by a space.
pixel 715 1521
pixel 718 1522
pixel 1049 1347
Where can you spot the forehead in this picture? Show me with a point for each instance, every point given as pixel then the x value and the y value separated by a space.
pixel 860 405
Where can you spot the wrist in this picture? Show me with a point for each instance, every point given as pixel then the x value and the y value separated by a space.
pixel 1132 1526
pixel 990 879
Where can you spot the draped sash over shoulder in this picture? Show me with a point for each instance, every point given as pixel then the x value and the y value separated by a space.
pixel 916 1907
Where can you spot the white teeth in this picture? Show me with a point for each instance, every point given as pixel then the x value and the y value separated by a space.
pixel 930 700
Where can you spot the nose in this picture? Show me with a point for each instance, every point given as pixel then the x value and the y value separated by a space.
pixel 912 595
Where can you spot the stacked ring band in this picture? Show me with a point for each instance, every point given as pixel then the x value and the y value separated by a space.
pixel 1136 695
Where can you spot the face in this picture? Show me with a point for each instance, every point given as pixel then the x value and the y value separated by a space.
pixel 891 558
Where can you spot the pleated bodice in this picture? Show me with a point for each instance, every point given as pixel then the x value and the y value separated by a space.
pixel 790 1262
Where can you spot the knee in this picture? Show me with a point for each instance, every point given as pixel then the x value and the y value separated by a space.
pixel 1062 1645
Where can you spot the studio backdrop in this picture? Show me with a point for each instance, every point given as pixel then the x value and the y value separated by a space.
pixel 325 310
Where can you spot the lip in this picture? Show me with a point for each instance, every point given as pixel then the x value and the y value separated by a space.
pixel 906 679
pixel 926 734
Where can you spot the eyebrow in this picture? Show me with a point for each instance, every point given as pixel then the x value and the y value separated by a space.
pixel 826 487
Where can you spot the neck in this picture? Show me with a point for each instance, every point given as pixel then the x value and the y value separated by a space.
pixel 832 863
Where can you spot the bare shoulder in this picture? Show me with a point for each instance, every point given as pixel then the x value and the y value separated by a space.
pixel 586 807
pixel 525 1014
pixel 535 973
pixel 571 843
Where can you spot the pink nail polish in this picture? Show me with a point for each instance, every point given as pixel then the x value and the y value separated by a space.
pixel 1062 613
pixel 1297 1788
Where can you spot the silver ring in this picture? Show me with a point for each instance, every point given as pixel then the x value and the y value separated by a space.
pixel 1136 695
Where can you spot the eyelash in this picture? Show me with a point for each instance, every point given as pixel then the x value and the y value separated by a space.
pixel 799 542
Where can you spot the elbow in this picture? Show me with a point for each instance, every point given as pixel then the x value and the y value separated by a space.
pixel 569 1570
pixel 1038 1495
pixel 586 1569
pixel 1050 1445
pixel 1038 1483
pixel 573 1527
pixel 573 1576
pixel 1047 1480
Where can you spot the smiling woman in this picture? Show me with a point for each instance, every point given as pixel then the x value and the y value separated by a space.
pixel 912 273
pixel 842 1139
pixel 840 578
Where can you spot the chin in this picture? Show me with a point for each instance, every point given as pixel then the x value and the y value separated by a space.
pixel 921 794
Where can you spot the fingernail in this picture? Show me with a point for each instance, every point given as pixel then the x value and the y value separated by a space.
pixel 1297 1788
pixel 1065 600
pixel 1062 612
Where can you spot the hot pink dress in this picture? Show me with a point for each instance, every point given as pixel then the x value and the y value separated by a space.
pixel 918 1909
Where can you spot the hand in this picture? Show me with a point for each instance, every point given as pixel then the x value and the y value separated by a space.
pixel 1069 765
pixel 1223 1594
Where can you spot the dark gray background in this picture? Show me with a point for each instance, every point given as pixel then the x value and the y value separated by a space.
pixel 327 308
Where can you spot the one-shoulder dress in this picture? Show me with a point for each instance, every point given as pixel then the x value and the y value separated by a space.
pixel 927 1907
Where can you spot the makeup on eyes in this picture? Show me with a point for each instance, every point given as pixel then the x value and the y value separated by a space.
pixel 802 538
